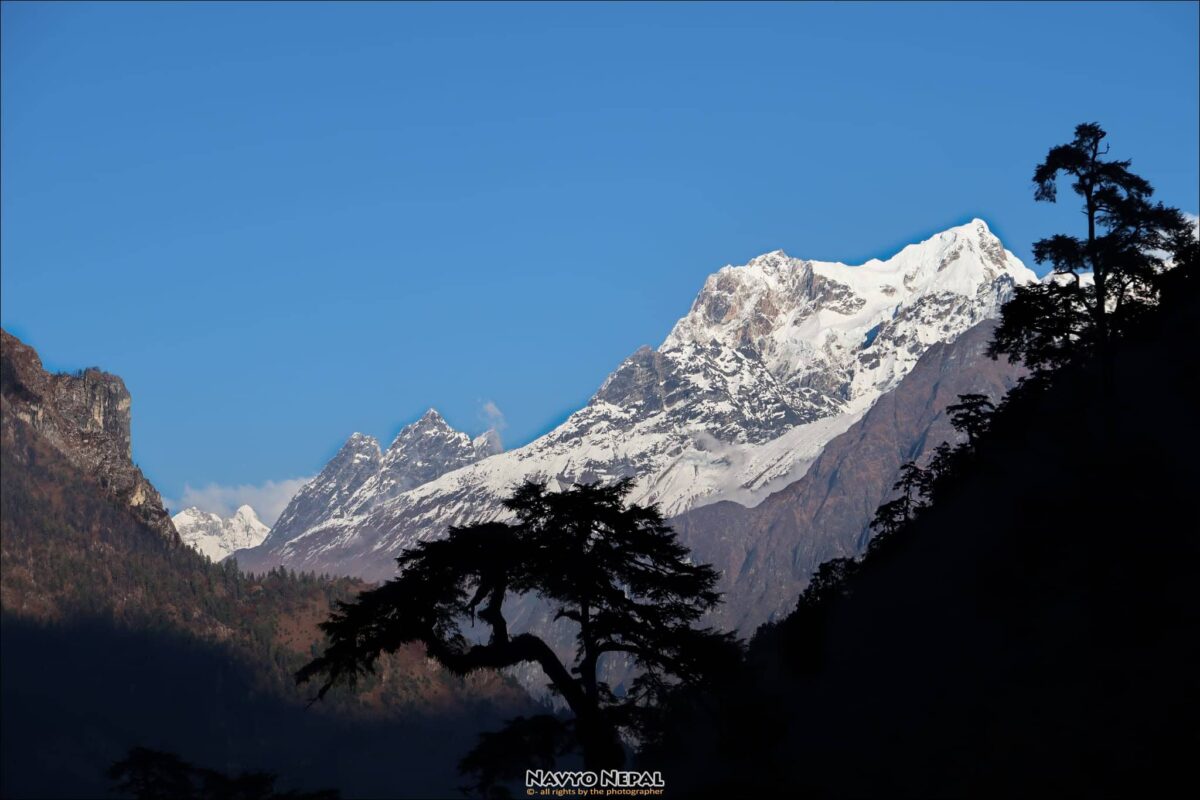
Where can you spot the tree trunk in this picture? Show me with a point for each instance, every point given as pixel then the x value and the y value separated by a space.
pixel 602 747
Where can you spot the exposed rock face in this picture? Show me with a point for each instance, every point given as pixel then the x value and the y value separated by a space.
pixel 217 537
pixel 423 451
pixel 86 417
pixel 767 553
pixel 325 497
pixel 115 635
pixel 362 474
pixel 774 359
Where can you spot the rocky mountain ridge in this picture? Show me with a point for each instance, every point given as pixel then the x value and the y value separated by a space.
pixel 774 359
pixel 85 416
pixel 361 474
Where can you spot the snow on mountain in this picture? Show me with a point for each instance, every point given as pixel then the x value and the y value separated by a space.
pixel 1065 278
pixel 361 475
pixel 216 537
pixel 325 497
pixel 1088 279
pixel 774 359
pixel 422 451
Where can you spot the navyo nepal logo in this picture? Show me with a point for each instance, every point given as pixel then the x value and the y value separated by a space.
pixel 605 783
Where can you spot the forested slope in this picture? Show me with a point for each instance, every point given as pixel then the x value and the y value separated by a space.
pixel 1034 632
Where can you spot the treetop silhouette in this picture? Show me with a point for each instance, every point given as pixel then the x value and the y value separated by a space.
pixel 616 571
pixel 971 415
pixel 1127 247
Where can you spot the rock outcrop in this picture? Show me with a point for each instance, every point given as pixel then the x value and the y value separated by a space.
pixel 362 473
pixel 86 417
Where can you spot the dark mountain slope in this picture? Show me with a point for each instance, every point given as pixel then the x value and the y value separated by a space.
pixel 772 548
pixel 1035 633
pixel 78 695
pixel 114 634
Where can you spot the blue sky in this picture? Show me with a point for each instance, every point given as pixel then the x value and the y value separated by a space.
pixel 284 223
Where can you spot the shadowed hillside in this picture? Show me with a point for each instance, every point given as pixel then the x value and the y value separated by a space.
pixel 117 635
pixel 1047 646
pixel 77 696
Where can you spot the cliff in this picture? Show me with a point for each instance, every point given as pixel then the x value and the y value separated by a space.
pixel 84 416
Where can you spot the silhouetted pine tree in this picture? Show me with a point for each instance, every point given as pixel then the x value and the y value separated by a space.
pixel 617 572
pixel 1128 241
pixel 939 466
pixel 889 518
pixel 916 487
pixel 1003 634
pixel 971 415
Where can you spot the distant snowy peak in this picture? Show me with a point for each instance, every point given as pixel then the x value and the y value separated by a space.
pixel 361 474
pixel 217 537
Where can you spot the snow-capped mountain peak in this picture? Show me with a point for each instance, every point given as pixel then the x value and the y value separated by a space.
pixel 774 359
pixel 431 420
pixel 423 450
pixel 851 332
pixel 217 537
pixel 361 475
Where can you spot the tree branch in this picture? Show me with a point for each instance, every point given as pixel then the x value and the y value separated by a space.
pixel 517 650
